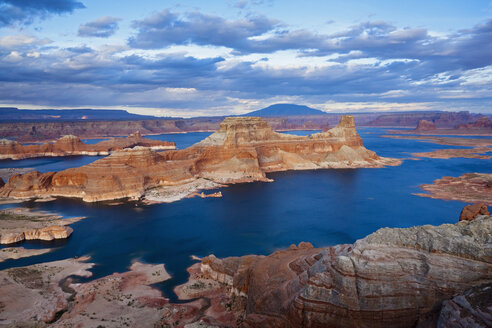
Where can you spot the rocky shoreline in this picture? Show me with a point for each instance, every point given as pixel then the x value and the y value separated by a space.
pixel 469 188
pixel 423 276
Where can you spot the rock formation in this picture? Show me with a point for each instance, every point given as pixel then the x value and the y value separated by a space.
pixel 471 309
pixel 470 212
pixel 412 277
pixel 469 188
pixel 450 126
pixel 483 123
pixel 425 125
pixel 72 145
pixel 391 278
pixel 243 149
pixel 22 224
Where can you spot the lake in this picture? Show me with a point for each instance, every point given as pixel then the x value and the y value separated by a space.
pixel 324 207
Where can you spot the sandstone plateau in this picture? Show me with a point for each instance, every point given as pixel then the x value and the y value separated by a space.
pixel 243 149
pixel 72 145
pixel 469 188
pixel 424 276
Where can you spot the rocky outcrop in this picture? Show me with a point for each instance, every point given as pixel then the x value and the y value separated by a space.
pixel 425 125
pixel 483 123
pixel 391 278
pixel 243 149
pixel 469 188
pixel 22 224
pixel 471 309
pixel 470 212
pixel 72 145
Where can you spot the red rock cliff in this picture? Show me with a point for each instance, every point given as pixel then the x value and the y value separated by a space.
pixel 242 150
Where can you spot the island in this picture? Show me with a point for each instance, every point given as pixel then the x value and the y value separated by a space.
pixel 470 188
pixel 243 149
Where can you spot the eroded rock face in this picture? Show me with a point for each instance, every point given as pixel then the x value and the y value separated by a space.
pixel 470 212
pixel 473 308
pixel 242 150
pixel 392 278
pixel 72 145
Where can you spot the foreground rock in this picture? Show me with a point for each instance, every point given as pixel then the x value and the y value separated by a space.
pixel 470 212
pixel 242 150
pixel 22 224
pixel 471 309
pixel 392 278
pixel 469 188
pixel 37 294
pixel 418 276
pixel 72 145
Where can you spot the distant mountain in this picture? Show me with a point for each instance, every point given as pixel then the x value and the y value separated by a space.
pixel 285 110
pixel 9 114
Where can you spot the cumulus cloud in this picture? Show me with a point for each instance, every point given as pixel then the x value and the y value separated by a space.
pixel 25 11
pixel 167 28
pixel 102 27
pixel 371 62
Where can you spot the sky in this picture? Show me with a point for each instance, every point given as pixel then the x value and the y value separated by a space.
pixel 201 58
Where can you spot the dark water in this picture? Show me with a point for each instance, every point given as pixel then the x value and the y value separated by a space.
pixel 325 207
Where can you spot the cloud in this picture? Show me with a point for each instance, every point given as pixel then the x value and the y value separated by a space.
pixel 166 28
pixel 102 27
pixel 371 62
pixel 14 12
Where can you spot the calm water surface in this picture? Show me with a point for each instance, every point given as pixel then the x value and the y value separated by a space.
pixel 325 207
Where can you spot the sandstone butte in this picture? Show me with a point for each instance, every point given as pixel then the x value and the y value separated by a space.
pixel 72 145
pixel 243 149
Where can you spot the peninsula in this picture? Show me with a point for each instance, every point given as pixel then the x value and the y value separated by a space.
pixel 243 149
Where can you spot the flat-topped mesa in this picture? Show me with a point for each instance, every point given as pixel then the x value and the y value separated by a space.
pixel 425 125
pixel 244 149
pixel 72 145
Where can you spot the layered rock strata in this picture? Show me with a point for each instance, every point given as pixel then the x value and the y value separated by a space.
pixel 241 150
pixel 391 278
pixel 72 145
pixel 469 188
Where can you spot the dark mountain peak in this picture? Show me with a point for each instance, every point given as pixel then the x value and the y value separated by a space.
pixel 285 110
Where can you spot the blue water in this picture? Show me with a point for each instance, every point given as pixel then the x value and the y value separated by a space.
pixel 325 207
